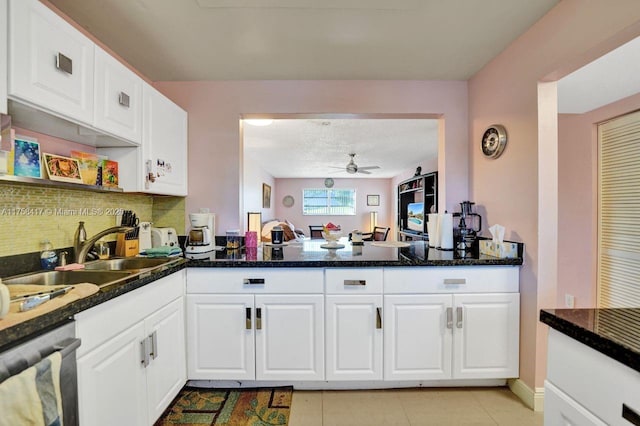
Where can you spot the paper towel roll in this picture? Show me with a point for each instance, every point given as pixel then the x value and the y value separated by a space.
pixel 446 231
pixel 5 300
pixel 432 228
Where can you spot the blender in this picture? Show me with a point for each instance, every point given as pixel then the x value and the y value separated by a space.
pixel 468 227
pixel 201 237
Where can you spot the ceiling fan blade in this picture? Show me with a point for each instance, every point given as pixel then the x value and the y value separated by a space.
pixel 334 167
pixel 368 168
pixel 364 172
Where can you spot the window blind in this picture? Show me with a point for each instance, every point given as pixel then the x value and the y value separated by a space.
pixel 619 212
pixel 329 202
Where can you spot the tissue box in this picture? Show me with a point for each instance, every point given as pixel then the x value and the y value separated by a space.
pixel 502 250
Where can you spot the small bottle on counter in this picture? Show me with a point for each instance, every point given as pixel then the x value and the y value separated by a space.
pixel 48 256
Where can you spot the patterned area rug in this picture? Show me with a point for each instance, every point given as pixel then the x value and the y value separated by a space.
pixel 233 407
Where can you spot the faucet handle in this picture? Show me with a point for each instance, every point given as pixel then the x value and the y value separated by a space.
pixel 63 258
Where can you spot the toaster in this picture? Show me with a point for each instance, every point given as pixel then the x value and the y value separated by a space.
pixel 164 237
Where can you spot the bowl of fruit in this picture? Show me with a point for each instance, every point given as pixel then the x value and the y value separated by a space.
pixel 331 233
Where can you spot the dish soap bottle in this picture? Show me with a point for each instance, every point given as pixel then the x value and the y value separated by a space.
pixel 48 257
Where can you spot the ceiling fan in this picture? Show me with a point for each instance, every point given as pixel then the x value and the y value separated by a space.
pixel 353 168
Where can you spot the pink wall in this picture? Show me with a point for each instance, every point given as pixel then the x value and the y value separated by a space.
pixel 215 107
pixel 360 221
pixel 506 91
pixel 578 216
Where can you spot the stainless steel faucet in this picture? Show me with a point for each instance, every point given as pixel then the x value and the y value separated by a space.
pixel 82 244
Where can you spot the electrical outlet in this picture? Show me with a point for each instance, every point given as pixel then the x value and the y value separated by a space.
pixel 569 300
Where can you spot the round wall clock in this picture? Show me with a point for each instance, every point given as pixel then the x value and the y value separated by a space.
pixel 494 140
pixel 328 182
pixel 288 201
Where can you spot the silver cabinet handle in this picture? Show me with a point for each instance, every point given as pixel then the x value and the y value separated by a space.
pixel 253 281
pixel 631 415
pixel 355 282
pixel 449 317
pixel 453 281
pixel 258 318
pixel 123 99
pixel 145 353
pixel 149 176
pixel 154 345
pixel 459 316
pixel 378 318
pixel 247 321
pixel 64 63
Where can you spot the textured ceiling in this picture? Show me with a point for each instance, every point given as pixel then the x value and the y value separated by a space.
pixel 306 39
pixel 296 148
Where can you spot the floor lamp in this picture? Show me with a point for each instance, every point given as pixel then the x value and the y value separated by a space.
pixel 373 218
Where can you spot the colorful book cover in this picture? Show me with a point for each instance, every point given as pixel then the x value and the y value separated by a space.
pixel 110 174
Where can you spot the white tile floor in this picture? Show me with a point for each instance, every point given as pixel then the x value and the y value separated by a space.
pixel 424 406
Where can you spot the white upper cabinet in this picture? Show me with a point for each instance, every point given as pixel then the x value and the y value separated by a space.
pixel 118 98
pixel 3 57
pixel 164 144
pixel 50 62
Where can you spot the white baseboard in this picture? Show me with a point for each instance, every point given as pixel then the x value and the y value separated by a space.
pixel 533 399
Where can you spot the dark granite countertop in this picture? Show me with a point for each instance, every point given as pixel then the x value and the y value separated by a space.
pixel 30 328
pixel 613 332
pixel 294 255
pixel 309 254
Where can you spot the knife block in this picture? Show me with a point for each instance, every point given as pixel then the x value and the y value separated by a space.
pixel 126 248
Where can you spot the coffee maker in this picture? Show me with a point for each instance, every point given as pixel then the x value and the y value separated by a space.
pixel 468 227
pixel 201 237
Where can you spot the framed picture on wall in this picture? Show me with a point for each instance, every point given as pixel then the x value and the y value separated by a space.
pixel 266 196
pixel 373 200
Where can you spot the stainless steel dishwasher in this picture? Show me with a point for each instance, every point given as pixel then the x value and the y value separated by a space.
pixel 17 359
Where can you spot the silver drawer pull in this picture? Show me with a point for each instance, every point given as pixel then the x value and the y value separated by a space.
pixel 123 99
pixel 459 317
pixel 144 352
pixel 247 322
pixel 355 282
pixel 258 318
pixel 253 281
pixel 64 63
pixel 154 345
pixel 631 415
pixel 453 281
pixel 449 317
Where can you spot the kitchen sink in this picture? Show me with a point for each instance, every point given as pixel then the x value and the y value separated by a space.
pixel 127 263
pixel 68 277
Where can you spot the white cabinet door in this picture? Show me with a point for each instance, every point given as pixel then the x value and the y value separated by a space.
pixel 289 337
pixel 50 62
pixel 561 410
pixel 354 337
pixel 112 382
pixel 220 337
pixel 164 136
pixel 486 330
pixel 166 373
pixel 118 98
pixel 417 340
pixel 3 57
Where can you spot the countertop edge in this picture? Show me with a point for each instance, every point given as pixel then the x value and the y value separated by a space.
pixel 604 345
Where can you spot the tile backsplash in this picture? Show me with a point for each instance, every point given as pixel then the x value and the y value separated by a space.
pixel 30 214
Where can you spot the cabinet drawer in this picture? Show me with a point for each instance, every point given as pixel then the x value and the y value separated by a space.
pixel 254 280
pixel 98 324
pixel 457 279
pixel 592 379
pixel 353 281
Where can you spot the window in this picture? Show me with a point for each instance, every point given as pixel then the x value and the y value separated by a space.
pixel 335 202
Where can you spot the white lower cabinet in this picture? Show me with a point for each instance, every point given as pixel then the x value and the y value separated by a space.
pixel 451 323
pixel 255 324
pixel 561 410
pixel 417 342
pixel 133 363
pixel 354 337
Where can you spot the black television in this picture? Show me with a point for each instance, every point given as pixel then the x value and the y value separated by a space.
pixel 415 217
